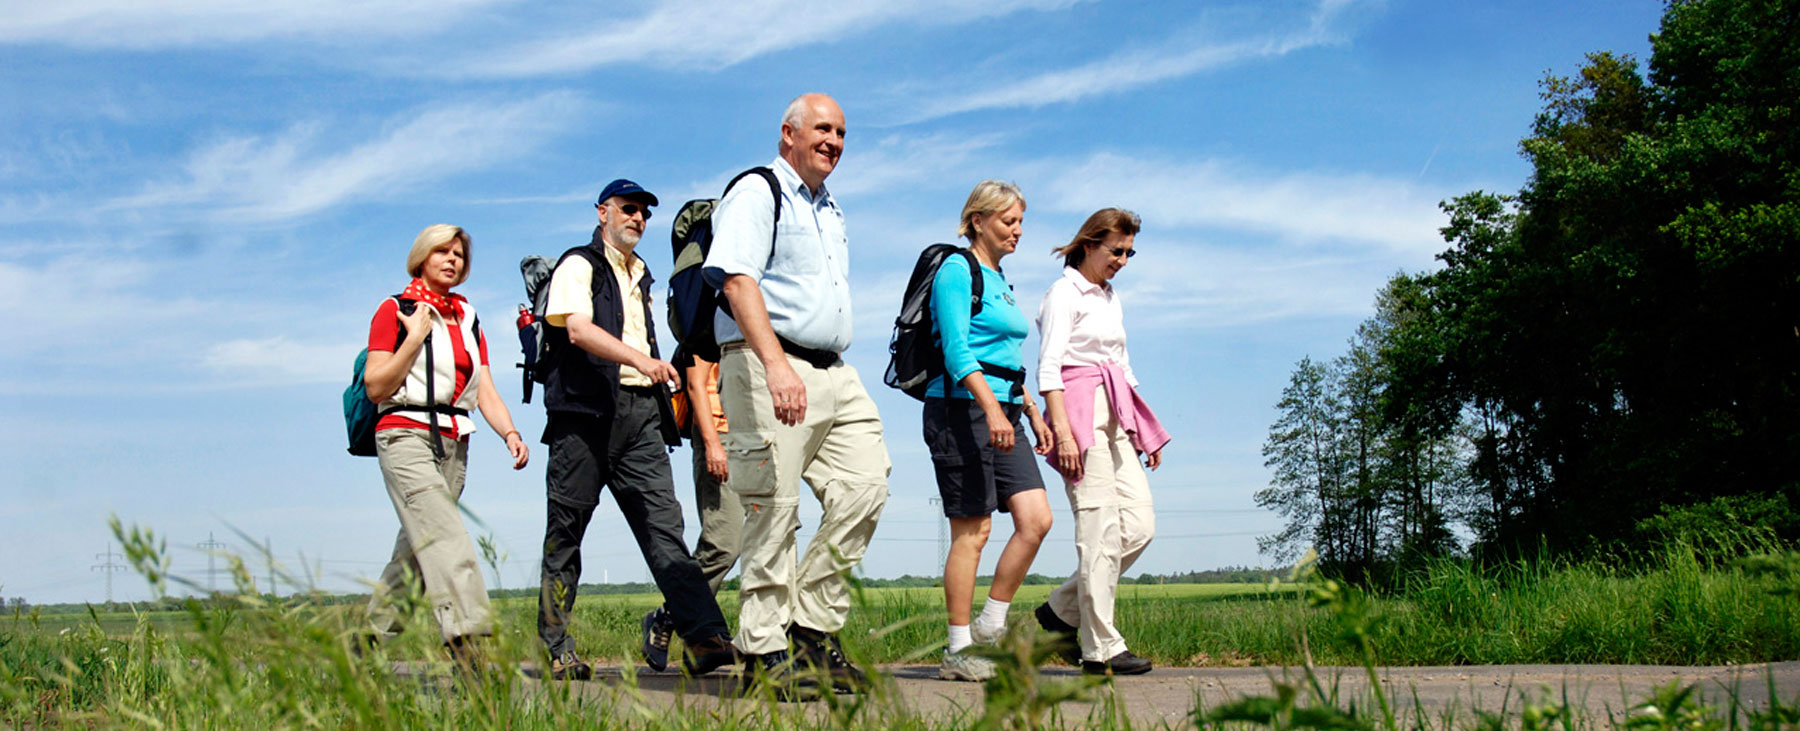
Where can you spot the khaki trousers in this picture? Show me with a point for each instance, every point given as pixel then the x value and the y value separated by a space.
pixel 433 544
pixel 838 450
pixel 721 522
pixel 1114 522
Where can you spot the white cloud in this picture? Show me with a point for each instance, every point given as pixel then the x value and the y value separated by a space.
pixel 1299 207
pixel 1196 50
pixel 174 23
pixel 898 160
pixel 280 360
pixel 695 34
pixel 258 179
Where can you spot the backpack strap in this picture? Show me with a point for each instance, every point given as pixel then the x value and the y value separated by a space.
pixel 768 176
pixel 975 281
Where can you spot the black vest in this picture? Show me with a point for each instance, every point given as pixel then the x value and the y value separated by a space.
pixel 582 383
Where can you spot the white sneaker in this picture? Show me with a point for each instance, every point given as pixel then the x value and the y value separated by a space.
pixel 964 666
pixel 984 637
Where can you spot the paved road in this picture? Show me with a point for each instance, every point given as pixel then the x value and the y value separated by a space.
pixel 1168 695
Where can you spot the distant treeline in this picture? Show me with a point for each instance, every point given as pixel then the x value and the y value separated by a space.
pixel 1608 359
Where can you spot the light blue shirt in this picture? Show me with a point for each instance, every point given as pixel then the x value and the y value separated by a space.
pixel 805 281
pixel 996 335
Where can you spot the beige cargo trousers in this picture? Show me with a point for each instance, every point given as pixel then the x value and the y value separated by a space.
pixel 838 450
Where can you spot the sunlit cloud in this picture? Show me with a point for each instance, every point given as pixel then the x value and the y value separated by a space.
pixel 257 179
pixel 1201 47
pixel 143 25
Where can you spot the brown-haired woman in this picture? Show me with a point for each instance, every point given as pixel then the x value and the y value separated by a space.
pixel 1101 427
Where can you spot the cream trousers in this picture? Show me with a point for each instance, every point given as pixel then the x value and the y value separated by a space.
pixel 1114 522
pixel 433 545
pixel 838 450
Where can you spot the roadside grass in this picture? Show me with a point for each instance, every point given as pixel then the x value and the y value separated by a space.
pixel 238 659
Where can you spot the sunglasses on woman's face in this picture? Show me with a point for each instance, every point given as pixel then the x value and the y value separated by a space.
pixel 1122 251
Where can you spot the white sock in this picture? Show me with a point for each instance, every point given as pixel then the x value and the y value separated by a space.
pixel 993 615
pixel 959 637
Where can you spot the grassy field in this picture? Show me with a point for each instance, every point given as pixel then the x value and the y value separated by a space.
pixel 290 664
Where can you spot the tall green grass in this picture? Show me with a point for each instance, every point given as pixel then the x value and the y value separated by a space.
pixel 238 659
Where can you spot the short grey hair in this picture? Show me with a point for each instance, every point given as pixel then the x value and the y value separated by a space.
pixel 796 110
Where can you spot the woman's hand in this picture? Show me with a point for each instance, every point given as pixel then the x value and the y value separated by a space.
pixel 716 464
pixel 1068 458
pixel 1046 440
pixel 515 445
pixel 1154 460
pixel 417 324
pixel 1000 430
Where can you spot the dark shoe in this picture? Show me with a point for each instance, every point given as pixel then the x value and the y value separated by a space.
pixel 570 667
pixel 821 653
pixel 708 655
pixel 363 644
pixel 658 626
pixel 1123 663
pixel 775 673
pixel 1068 647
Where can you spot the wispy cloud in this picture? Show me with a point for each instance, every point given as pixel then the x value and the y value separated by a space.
pixel 700 35
pixel 1298 207
pixel 280 360
pixel 177 23
pixel 262 179
pixel 1202 47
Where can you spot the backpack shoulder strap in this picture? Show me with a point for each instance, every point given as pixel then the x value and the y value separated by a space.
pixel 768 176
pixel 975 281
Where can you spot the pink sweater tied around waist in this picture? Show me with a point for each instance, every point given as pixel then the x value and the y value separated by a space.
pixel 1135 417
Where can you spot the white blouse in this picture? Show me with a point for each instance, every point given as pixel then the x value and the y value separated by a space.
pixel 1080 323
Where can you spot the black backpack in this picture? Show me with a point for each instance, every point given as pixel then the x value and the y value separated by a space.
pixel 537 348
pixel 692 301
pixel 914 355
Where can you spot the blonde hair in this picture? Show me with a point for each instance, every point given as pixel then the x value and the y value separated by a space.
pixel 433 236
pixel 1094 231
pixel 989 197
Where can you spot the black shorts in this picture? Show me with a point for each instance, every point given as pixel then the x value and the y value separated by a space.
pixel 975 479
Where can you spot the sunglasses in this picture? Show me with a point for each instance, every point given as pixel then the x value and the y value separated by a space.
pixel 1122 251
pixel 632 209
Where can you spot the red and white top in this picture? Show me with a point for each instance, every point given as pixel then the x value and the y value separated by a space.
pixel 456 377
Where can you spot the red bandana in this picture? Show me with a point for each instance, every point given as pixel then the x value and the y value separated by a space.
pixel 450 306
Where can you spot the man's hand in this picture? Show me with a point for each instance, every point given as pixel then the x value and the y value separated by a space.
pixel 716 463
pixel 787 391
pixel 658 371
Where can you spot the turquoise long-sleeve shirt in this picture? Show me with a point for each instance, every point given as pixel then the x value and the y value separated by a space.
pixel 996 336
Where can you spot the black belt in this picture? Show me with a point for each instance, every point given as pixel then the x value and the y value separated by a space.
pixel 651 390
pixel 817 358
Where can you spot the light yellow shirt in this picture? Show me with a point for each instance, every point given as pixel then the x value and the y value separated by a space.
pixel 571 287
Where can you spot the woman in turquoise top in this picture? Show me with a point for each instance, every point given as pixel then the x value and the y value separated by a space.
pixel 972 426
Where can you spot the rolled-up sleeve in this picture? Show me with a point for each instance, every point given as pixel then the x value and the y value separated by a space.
pixel 743 232
pixel 950 292
pixel 1055 318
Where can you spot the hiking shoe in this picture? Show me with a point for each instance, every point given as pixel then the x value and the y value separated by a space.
pixel 1067 646
pixel 822 653
pixel 963 665
pixel 570 667
pixel 775 673
pixel 708 655
pixel 658 627
pixel 1123 663
pixel 984 637
pixel 467 658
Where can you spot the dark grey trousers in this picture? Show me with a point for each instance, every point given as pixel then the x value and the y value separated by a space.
pixel 625 454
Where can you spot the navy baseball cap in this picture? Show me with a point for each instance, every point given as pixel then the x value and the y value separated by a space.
pixel 625 189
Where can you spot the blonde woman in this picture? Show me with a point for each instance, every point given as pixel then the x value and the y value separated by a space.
pixel 427 370
pixel 973 430
pixel 1101 428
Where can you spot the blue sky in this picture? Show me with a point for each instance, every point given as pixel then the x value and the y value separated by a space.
pixel 202 202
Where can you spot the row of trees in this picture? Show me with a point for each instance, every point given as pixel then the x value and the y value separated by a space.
pixel 1619 338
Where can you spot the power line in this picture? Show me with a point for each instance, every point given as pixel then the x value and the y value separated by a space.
pixel 211 547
